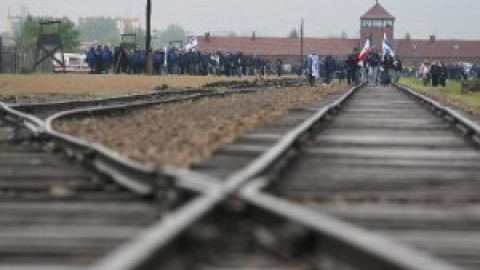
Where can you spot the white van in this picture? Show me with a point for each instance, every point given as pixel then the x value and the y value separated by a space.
pixel 74 63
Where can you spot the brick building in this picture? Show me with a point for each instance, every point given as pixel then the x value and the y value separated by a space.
pixel 374 23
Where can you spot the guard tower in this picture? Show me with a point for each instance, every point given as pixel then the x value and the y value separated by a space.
pixel 178 44
pixel 129 41
pixel 48 43
pixel 374 24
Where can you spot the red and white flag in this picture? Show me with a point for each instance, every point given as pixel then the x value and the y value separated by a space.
pixel 366 49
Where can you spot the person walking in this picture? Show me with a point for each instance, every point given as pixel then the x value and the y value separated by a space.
pixel 99 60
pixel 373 63
pixel 398 67
pixel 424 73
pixel 91 59
pixel 313 69
pixel 388 67
pixel 329 65
pixel 435 72
pixel 279 67
pixel 352 66
pixel 107 59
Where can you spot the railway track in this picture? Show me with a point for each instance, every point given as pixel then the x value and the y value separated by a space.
pixel 59 211
pixel 53 211
pixel 253 217
pixel 323 193
pixel 393 167
pixel 387 164
pixel 67 203
pixel 44 110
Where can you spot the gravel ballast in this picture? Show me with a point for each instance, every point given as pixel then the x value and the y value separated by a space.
pixel 183 134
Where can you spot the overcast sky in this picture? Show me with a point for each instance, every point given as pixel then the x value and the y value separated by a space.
pixel 457 19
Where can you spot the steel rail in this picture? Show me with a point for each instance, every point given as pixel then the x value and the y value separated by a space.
pixel 54 107
pixel 380 250
pixel 366 250
pixel 292 141
pixel 33 124
pixel 26 244
pixel 89 111
pixel 244 184
pixel 145 249
pixel 469 128
pixel 33 108
pixel 141 179
pixel 383 253
pixel 141 252
pixel 119 167
pixel 107 162
pixel 374 251
pixel 138 178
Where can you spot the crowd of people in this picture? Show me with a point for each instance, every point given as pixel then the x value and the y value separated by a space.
pixel 436 72
pixel 99 59
pixel 383 68
pixel 314 69
pixel 174 61
pixel 377 68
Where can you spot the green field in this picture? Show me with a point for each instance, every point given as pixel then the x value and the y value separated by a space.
pixel 451 92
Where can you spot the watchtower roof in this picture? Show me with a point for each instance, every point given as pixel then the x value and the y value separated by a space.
pixel 377 12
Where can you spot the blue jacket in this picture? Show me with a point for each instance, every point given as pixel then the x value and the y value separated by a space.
pixel 91 57
pixel 157 58
pixel 106 55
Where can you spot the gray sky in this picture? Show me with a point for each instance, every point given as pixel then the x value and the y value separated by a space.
pixel 457 19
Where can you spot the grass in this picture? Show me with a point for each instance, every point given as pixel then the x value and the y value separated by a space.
pixel 84 84
pixel 451 93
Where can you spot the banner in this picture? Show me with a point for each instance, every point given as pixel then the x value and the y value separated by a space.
pixel 386 48
pixel 192 44
pixel 366 49
pixel 313 65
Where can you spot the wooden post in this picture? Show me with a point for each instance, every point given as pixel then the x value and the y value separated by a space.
pixel 148 39
pixel 1 54
pixel 301 41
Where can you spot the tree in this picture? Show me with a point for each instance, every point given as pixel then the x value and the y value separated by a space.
pixel 141 37
pixel 293 33
pixel 101 29
pixel 69 34
pixel 27 37
pixel 173 32
pixel 343 35
pixel 407 36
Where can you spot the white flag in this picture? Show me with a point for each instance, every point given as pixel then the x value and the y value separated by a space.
pixel 192 44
